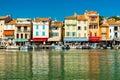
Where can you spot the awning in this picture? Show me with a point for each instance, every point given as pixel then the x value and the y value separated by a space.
pixel 40 39
pixel 94 38
pixel 75 39
pixel 20 40
pixel 8 32
pixel 54 39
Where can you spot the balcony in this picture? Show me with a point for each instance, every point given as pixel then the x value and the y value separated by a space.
pixel 71 24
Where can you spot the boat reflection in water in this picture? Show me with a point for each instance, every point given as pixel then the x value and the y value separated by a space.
pixel 60 65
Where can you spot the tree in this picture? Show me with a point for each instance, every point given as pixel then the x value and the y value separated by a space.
pixel 101 18
pixel 117 18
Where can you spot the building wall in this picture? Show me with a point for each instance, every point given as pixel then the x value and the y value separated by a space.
pixel 2 24
pixel 111 32
pixel 28 32
pixel 55 38
pixel 40 29
pixel 70 27
pixel 9 27
pixel 104 32
pixel 82 32
pixel 94 31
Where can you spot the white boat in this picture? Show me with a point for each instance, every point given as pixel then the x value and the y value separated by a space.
pixel 26 48
pixel 12 47
pixel 58 47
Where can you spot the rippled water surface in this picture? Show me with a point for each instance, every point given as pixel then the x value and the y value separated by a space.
pixel 60 65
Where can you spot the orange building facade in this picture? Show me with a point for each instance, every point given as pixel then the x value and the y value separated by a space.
pixel 93 21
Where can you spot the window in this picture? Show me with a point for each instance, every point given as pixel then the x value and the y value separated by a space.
pixel 103 30
pixel 95 34
pixel 11 26
pixel 79 28
pixel 55 34
pixel 95 27
pixel 115 28
pixel 54 28
pixel 37 33
pixel 17 35
pixel 90 34
pixel 73 33
pixel 79 35
pixel 43 26
pixel 21 35
pixel 116 35
pixel 103 36
pixel 84 22
pixel 37 26
pixel 85 28
pixel 84 34
pixel 19 28
pixel 51 34
pixel 92 19
pixel 25 28
pixel 25 35
pixel 110 30
pixel 43 33
pixel 90 26
pixel 68 33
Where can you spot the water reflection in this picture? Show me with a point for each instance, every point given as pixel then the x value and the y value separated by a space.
pixel 60 65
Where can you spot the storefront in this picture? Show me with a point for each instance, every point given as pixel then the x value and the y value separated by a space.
pixel 21 41
pixel 75 39
pixel 94 39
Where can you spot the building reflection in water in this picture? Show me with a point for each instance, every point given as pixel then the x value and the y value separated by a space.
pixel 15 65
pixel 76 67
pixel 56 65
pixel 60 65
pixel 94 65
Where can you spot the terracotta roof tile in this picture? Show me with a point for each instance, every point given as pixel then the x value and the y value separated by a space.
pixel 3 17
pixel 12 22
pixel 57 24
pixel 104 25
pixel 111 21
pixel 71 17
pixel 91 12
pixel 81 17
pixel 42 19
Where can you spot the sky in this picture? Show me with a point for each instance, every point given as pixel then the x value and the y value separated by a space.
pixel 57 9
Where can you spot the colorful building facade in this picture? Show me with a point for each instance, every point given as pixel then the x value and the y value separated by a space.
pixel 93 21
pixel 104 32
pixel 114 29
pixel 23 31
pixel 56 28
pixel 3 20
pixel 76 28
pixel 41 30
pixel 9 32
pixel 70 29
pixel 82 28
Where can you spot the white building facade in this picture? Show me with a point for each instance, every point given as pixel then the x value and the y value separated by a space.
pixel 41 29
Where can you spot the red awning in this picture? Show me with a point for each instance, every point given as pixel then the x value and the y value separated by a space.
pixel 94 38
pixel 8 32
pixel 93 16
pixel 40 39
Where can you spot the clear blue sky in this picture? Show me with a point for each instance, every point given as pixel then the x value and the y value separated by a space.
pixel 57 8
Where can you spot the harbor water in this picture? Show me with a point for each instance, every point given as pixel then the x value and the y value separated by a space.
pixel 60 65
